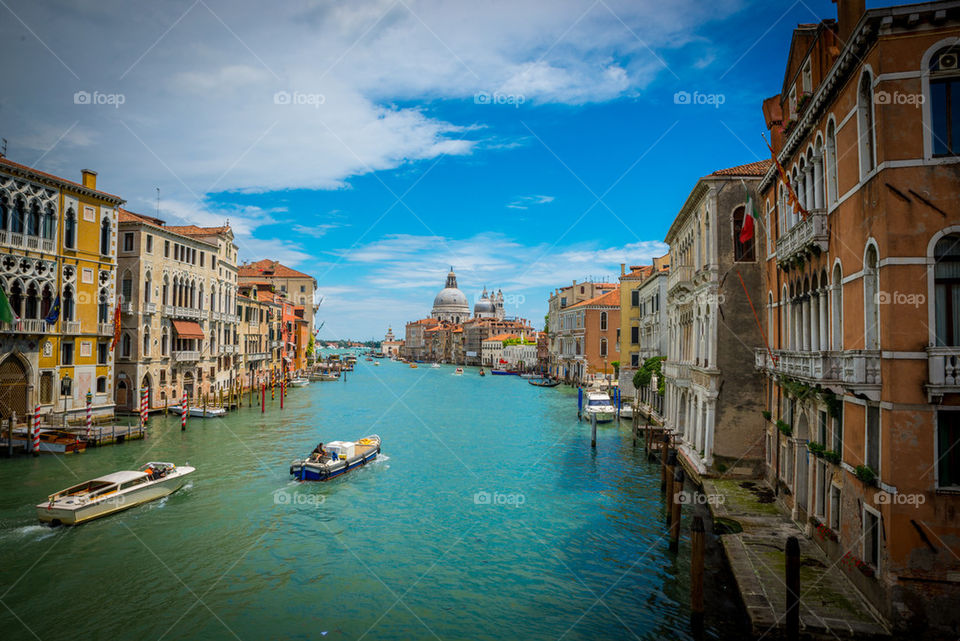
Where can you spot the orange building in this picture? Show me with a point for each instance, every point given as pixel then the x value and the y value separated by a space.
pixel 862 284
pixel 587 337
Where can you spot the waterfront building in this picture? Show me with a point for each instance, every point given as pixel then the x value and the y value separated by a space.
pixel 643 328
pixel 712 394
pixel 298 287
pixel 477 330
pixel 224 340
pixel 450 305
pixel 860 299
pixel 255 309
pixel 58 249
pixel 587 338
pixel 414 345
pixel 521 353
pixel 559 300
pixel 390 345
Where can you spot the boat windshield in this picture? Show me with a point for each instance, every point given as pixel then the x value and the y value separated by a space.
pixel 598 402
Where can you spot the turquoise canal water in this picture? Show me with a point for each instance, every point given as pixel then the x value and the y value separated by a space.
pixel 488 517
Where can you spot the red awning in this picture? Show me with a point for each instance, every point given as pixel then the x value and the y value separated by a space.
pixel 188 329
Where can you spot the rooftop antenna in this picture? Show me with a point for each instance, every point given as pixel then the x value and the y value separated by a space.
pixel 3 151
pixel 158 202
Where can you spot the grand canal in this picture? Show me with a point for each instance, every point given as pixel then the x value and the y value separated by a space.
pixel 488 517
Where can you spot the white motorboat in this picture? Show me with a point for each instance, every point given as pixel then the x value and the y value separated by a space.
pixel 200 412
pixel 598 404
pixel 626 410
pixel 336 458
pixel 111 493
pixel 435 366
pixel 299 382
pixel 458 371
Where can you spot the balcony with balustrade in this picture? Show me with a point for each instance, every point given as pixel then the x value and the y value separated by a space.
pixel 680 276
pixel 128 307
pixel 149 308
pixel 175 311
pixel 70 327
pixel 943 365
pixel 186 356
pixel 256 357
pixel 105 329
pixel 24 241
pixel 810 235
pixel 228 349
pixel 26 326
pixel 859 368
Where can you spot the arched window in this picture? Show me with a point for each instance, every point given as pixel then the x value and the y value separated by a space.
pixel 871 299
pixel 769 316
pixel 146 340
pixel 46 301
pixel 105 236
pixel 166 290
pixel 147 286
pixel 865 126
pixel 603 347
pixel 48 222
pixel 19 213
pixel 126 346
pixel 126 287
pixel 945 102
pixel 32 302
pixel 947 290
pixel 4 212
pixel 603 321
pixel 164 343
pixel 103 306
pixel 784 341
pixel 66 305
pixel 837 309
pixel 70 230
pixel 32 226
pixel 742 251
pixel 831 164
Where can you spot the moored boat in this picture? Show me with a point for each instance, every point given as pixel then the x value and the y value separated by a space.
pixel 51 442
pixel 598 404
pixel 299 382
pixel 200 412
pixel 503 372
pixel 336 458
pixel 111 493
pixel 626 411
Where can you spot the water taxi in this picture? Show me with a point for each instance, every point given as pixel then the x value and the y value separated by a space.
pixel 111 493
pixel 336 458
pixel 458 371
pixel 413 366
pixel 299 382
pixel 435 366
pixel 598 404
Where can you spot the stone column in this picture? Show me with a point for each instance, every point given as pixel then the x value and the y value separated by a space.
pixel 708 445
pixel 824 333
pixel 818 181
pixel 805 328
pixel 814 322
pixel 808 176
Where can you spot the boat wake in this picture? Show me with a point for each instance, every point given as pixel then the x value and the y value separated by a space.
pixel 35 532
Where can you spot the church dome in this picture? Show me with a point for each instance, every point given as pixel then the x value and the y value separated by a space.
pixel 484 306
pixel 450 296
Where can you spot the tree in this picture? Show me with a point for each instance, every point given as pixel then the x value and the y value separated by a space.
pixel 616 368
pixel 643 376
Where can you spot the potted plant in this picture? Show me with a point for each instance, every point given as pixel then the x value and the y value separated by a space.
pixel 817 449
pixel 832 457
pixel 866 474
pixel 784 428
pixel 766 414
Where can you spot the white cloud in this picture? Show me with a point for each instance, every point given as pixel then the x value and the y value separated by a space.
pixel 524 202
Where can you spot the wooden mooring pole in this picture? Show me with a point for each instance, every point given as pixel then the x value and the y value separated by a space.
pixel 697 550
pixel 671 461
pixel 664 447
pixel 793 588
pixel 678 478
pixel 593 430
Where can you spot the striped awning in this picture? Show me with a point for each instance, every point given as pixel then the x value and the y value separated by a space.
pixel 188 329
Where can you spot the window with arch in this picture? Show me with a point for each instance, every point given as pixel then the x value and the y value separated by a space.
pixel 70 229
pixel 836 317
pixel 19 213
pixel 946 290
pixel 830 163
pixel 865 125
pixel 4 212
pixel 603 347
pixel 126 346
pixel 147 286
pixel 945 101
pixel 126 287
pixel 32 226
pixel 742 251
pixel 46 228
pixel 67 308
pixel 105 236
pixel 164 342
pixel 871 299
pixel 603 321
pixel 146 340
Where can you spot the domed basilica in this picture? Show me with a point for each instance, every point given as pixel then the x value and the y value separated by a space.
pixel 451 305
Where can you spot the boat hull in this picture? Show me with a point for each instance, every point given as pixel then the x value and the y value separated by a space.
pixel 112 504
pixel 306 470
pixel 603 416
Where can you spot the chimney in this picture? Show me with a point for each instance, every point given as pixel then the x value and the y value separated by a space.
pixel 849 13
pixel 623 269
pixel 89 178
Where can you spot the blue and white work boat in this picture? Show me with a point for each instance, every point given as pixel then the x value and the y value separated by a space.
pixel 335 459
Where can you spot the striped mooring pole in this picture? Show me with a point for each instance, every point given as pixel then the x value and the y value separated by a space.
pixel 144 414
pixel 183 412
pixel 36 431
pixel 89 414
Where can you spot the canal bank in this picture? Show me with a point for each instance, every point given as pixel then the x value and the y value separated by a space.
pixel 488 517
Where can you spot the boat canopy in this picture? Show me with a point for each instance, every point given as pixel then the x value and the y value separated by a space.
pixel 120 477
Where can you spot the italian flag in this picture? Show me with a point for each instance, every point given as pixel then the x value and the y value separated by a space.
pixel 746 232
pixel 6 310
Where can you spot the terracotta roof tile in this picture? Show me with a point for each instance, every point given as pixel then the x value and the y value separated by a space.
pixel 610 299
pixel 269 267
pixel 193 230
pixel 758 169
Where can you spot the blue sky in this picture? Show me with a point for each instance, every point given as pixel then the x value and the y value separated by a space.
pixel 355 142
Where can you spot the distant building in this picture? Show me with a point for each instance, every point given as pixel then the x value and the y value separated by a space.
pixel 559 300
pixel 450 305
pixel 587 338
pixel 390 345
pixel 299 288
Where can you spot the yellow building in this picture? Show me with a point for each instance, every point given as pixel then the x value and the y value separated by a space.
pixel 57 246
